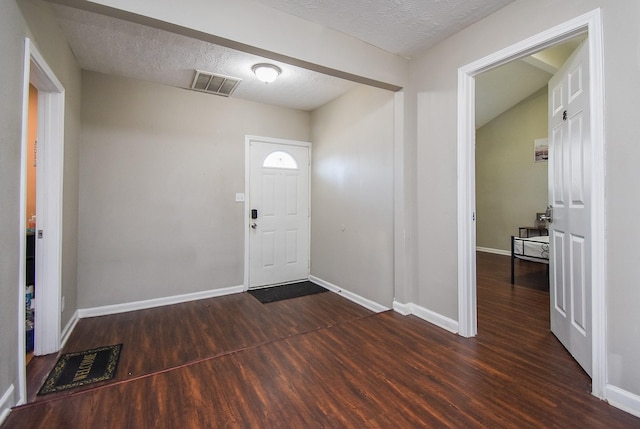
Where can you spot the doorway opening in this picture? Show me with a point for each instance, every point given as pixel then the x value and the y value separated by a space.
pixel 46 222
pixel 30 255
pixel 512 186
pixel 589 23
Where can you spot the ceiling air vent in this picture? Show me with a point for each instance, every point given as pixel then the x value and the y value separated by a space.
pixel 214 83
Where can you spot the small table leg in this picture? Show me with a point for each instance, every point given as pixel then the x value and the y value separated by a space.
pixel 512 262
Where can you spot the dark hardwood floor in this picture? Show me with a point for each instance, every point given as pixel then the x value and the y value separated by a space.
pixel 321 361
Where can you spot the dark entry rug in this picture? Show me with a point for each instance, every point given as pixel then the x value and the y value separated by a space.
pixel 279 293
pixel 82 368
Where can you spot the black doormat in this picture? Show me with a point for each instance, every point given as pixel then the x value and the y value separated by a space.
pixel 82 368
pixel 279 293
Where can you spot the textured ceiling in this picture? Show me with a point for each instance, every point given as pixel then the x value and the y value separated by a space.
pixel 403 27
pixel 113 46
pixel 108 45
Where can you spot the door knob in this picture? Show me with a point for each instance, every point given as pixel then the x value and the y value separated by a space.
pixel 254 225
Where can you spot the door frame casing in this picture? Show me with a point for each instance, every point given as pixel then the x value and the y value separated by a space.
pixel 590 23
pixel 51 102
pixel 247 193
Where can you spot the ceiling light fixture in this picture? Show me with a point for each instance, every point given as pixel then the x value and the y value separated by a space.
pixel 267 73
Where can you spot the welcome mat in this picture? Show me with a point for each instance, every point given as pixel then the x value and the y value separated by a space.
pixel 82 368
pixel 279 293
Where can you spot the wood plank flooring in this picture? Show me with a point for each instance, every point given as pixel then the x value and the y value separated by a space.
pixel 170 336
pixel 321 361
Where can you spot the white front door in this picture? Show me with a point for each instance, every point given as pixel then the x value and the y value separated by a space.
pixel 569 196
pixel 278 209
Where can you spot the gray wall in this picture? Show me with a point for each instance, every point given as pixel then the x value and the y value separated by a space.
pixel 12 32
pixel 53 46
pixel 352 193
pixel 160 167
pixel 510 187
pixel 429 128
pixel 435 75
pixel 19 20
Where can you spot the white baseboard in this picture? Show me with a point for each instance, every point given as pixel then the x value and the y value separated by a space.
pixel 404 309
pixel 494 251
pixel 157 302
pixel 366 303
pixel 626 401
pixel 68 329
pixel 427 315
pixel 6 402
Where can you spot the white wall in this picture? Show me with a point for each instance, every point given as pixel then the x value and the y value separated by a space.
pixel 435 79
pixel 159 170
pixel 19 20
pixel 352 193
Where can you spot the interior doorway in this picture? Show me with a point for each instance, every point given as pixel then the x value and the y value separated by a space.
pixel 513 187
pixel 47 225
pixel 512 154
pixel 589 23
pixel 31 201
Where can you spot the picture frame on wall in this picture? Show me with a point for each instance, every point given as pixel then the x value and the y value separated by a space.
pixel 540 150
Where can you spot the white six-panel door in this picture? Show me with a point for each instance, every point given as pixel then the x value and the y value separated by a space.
pixel 569 195
pixel 279 210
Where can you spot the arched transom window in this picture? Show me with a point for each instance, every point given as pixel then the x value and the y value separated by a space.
pixel 279 159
